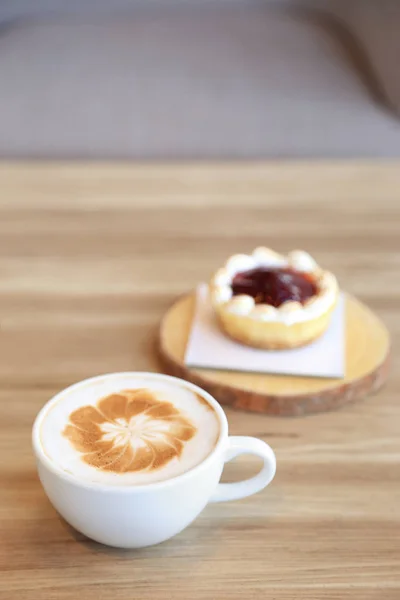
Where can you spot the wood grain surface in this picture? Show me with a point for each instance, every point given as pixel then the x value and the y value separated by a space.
pixel 91 256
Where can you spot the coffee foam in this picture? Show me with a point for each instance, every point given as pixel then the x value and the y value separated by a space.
pixel 128 430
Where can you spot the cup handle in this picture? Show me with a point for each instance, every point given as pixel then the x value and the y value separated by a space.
pixel 246 445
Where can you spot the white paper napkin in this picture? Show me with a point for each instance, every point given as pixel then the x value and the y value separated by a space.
pixel 209 348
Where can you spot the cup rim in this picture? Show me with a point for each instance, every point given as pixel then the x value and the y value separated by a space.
pixel 142 488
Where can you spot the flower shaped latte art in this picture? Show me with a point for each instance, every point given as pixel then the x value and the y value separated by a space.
pixel 129 431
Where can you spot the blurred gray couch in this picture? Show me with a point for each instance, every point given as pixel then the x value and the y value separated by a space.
pixel 173 79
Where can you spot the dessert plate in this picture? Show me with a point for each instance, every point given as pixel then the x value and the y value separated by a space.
pixel 366 367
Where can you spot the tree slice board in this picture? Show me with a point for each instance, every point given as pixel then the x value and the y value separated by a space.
pixel 367 358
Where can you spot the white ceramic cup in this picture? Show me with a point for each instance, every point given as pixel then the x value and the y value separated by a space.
pixel 137 516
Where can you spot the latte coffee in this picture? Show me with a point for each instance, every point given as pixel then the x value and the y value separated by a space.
pixel 128 429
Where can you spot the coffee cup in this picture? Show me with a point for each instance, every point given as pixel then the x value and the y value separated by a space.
pixel 131 459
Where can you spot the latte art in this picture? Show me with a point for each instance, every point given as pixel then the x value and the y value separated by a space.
pixel 129 431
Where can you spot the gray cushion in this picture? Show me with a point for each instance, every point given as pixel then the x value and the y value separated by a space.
pixel 208 82
pixel 13 9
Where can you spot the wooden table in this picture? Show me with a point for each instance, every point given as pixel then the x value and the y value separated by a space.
pixel 90 258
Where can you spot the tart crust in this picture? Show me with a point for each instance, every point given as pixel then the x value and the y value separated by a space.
pixel 291 324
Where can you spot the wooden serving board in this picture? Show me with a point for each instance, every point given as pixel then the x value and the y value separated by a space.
pixel 367 358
